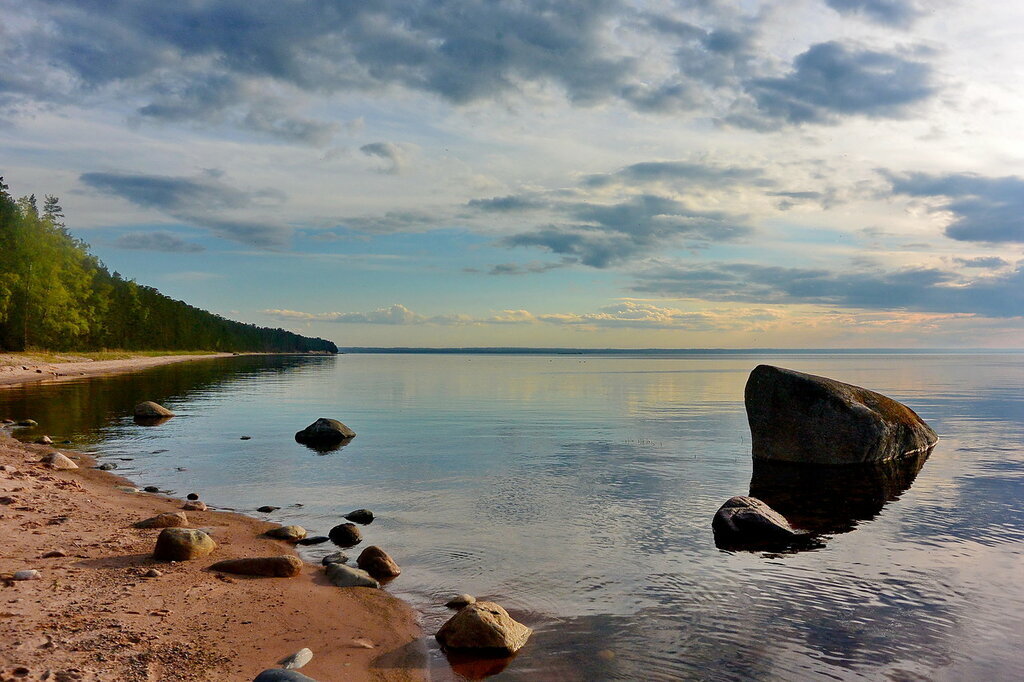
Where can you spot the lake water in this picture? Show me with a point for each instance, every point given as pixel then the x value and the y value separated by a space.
pixel 578 492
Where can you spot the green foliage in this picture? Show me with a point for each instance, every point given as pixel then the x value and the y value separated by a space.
pixel 55 294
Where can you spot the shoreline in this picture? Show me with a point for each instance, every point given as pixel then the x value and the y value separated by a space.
pixel 94 612
pixel 14 374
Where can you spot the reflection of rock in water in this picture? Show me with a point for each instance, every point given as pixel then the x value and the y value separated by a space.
pixel 832 499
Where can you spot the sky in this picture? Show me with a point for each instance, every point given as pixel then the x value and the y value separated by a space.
pixel 607 173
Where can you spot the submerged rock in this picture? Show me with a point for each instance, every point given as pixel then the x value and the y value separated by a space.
pixel 483 625
pixel 346 535
pixel 324 432
pixel 182 544
pixel 378 563
pixel 797 417
pixel 747 521
pixel 341 575
pixel 266 509
pixel 106 466
pixel 168 520
pixel 272 566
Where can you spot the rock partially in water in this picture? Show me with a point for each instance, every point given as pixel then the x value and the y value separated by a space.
pixel 106 466
pixel 377 563
pixel 44 440
pixel 460 601
pixel 334 558
pixel 271 566
pixel 167 520
pixel 748 522
pixel 325 432
pixel 28 423
pixel 341 575
pixel 346 535
pixel 281 675
pixel 797 417
pixel 290 533
pixel 56 460
pixel 151 410
pixel 182 544
pixel 151 489
pixel 363 516
pixel 315 540
pixel 296 660
pixel 483 625
pixel 266 509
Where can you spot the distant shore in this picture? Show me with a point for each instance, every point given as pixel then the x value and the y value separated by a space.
pixel 94 611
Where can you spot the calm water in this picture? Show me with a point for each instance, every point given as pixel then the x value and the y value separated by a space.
pixel 578 492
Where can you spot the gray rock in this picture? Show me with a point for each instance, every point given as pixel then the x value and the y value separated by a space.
pixel 296 660
pixel 151 410
pixel 167 520
pixel 747 521
pixel 334 558
pixel 363 516
pixel 341 575
pixel 797 417
pixel 44 440
pixel 106 466
pixel 58 461
pixel 182 544
pixel 377 563
pixel 346 535
pixel 483 625
pixel 278 675
pixel 271 566
pixel 27 574
pixel 460 600
pixel 290 533
pixel 324 432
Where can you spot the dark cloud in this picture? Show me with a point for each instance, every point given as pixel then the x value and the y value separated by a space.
pixel 900 13
pixel 919 290
pixel 197 201
pixel 166 242
pixel 683 173
pixel 529 268
pixel 602 235
pixel 984 209
pixel 506 204
pixel 831 80
pixel 392 154
pixel 981 262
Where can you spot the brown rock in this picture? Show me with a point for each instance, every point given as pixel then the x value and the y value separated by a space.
pixel 797 417
pixel 346 535
pixel 194 505
pixel 182 544
pixel 483 625
pixel 377 563
pixel 460 600
pixel 168 520
pixel 272 566
pixel 290 533
pixel 151 410
pixel 325 432
pixel 58 461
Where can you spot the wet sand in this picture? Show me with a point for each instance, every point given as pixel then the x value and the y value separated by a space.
pixel 14 370
pixel 94 615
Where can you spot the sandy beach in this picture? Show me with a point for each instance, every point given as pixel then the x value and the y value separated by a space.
pixel 15 370
pixel 93 614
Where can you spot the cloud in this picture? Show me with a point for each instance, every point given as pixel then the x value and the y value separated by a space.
pixel 898 13
pixel 393 154
pixel 913 289
pixel 515 269
pixel 677 172
pixel 156 241
pixel 983 209
pixel 198 201
pixel 981 262
pixel 602 235
pixel 831 80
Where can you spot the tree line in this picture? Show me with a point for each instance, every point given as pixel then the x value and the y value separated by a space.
pixel 56 295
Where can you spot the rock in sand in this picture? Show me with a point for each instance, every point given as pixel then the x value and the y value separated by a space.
pixel 296 660
pixel 324 432
pixel 27 574
pixel 797 417
pixel 290 533
pixel 58 461
pixel 168 520
pixel 341 575
pixel 377 563
pixel 182 544
pixel 194 505
pixel 280 675
pixel 346 535
pixel 272 566
pixel 483 625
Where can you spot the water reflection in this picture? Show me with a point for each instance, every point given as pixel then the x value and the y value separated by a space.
pixel 832 499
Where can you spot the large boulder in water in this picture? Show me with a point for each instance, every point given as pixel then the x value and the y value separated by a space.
pixel 797 417
pixel 749 522
pixel 486 626
pixel 324 433
pixel 151 410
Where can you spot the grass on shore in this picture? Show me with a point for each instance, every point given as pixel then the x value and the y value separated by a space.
pixel 45 357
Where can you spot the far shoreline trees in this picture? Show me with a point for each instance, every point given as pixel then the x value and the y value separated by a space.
pixel 56 295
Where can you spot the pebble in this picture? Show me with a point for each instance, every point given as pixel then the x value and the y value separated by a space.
pixel 27 574
pixel 296 660
pixel 55 554
pixel 152 573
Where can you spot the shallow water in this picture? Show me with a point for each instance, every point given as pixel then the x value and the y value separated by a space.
pixel 578 492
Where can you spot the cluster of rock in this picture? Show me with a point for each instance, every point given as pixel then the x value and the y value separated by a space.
pixel 803 419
